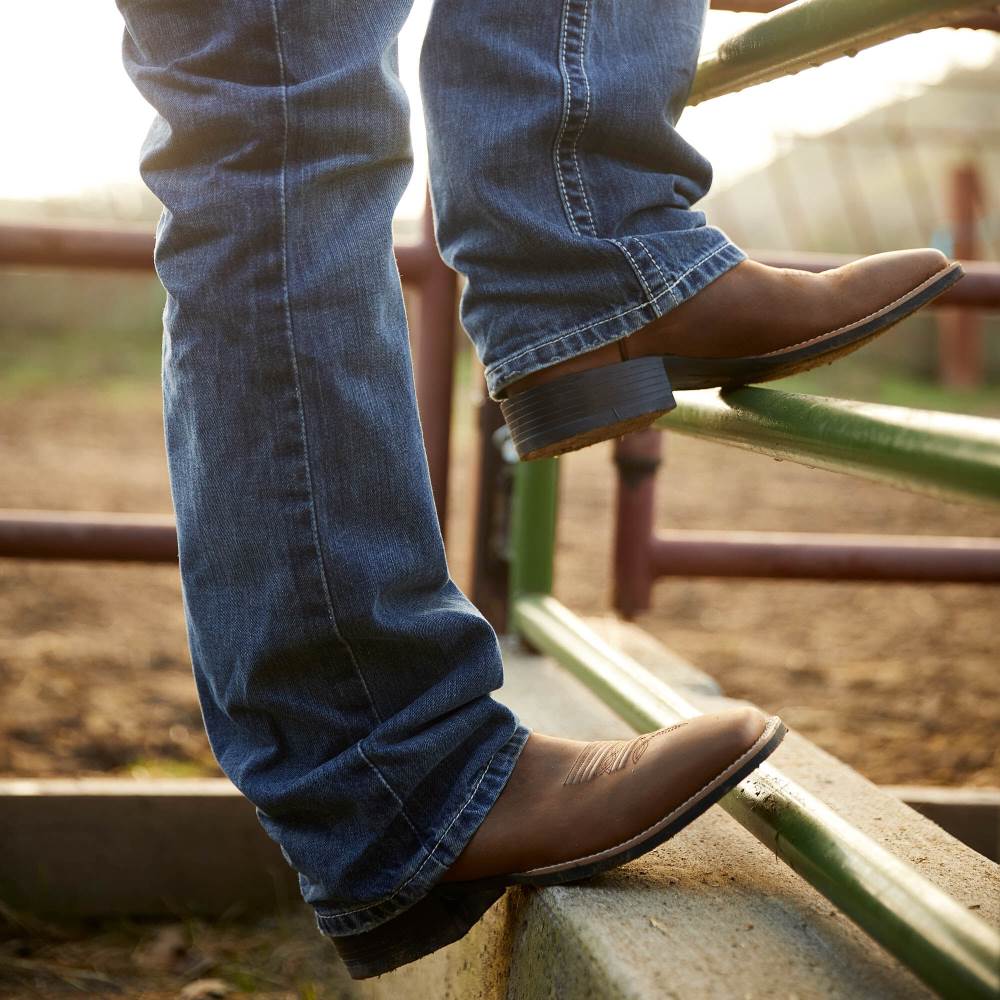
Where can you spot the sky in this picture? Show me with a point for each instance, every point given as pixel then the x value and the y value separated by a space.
pixel 72 122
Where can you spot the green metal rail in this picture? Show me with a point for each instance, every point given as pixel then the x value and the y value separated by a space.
pixel 942 454
pixel 533 527
pixel 812 32
pixel 954 952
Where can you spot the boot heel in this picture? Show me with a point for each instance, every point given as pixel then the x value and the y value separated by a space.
pixel 586 407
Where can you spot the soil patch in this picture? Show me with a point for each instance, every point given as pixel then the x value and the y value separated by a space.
pixel 901 681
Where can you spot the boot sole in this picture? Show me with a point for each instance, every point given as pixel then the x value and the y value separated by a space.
pixel 598 404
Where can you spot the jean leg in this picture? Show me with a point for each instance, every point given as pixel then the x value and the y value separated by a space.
pixel 561 188
pixel 344 679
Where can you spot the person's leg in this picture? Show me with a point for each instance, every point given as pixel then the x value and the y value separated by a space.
pixel 560 187
pixel 345 680
pixel 564 194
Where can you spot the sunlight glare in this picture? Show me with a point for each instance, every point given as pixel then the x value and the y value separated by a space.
pixel 76 123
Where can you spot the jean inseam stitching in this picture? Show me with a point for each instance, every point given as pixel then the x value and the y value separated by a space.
pixel 645 249
pixel 586 116
pixel 290 335
pixel 392 792
pixel 579 51
pixel 430 854
pixel 590 326
pixel 638 274
pixel 567 101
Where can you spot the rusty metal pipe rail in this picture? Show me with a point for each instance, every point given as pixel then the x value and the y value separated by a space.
pixel 804 556
pixel 88 536
pixel 152 538
pixel 131 249
pixel 811 32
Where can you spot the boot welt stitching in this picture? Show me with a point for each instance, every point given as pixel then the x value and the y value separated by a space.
pixel 864 319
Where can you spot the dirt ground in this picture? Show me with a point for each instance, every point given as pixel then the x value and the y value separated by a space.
pixel 901 680
pixel 278 958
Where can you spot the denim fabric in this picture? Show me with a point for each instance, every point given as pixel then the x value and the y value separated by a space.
pixel 344 678
pixel 560 187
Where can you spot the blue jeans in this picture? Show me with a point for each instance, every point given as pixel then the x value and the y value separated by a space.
pixel 344 678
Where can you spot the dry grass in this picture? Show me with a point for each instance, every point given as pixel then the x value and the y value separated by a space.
pixel 280 958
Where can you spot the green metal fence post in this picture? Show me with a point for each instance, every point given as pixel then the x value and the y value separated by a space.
pixel 533 527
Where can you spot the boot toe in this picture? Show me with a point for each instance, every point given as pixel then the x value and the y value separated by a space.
pixel 884 277
pixel 706 746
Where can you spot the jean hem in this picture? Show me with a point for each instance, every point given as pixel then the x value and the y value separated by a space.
pixel 629 317
pixel 445 915
pixel 449 845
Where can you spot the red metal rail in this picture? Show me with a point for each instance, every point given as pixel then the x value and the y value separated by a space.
pixel 131 249
pixel 806 556
pixel 53 534
pixel 124 249
pixel 961 351
pixel 433 333
pixel 643 555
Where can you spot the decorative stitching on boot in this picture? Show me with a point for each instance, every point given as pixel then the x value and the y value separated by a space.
pixel 774 724
pixel 609 756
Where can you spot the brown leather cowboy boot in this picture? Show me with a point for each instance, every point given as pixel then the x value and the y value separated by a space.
pixel 754 323
pixel 570 809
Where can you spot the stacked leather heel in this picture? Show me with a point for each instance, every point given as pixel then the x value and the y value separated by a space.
pixel 588 406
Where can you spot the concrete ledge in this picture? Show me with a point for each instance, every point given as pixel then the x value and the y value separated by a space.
pixel 970 814
pixel 115 847
pixel 712 913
